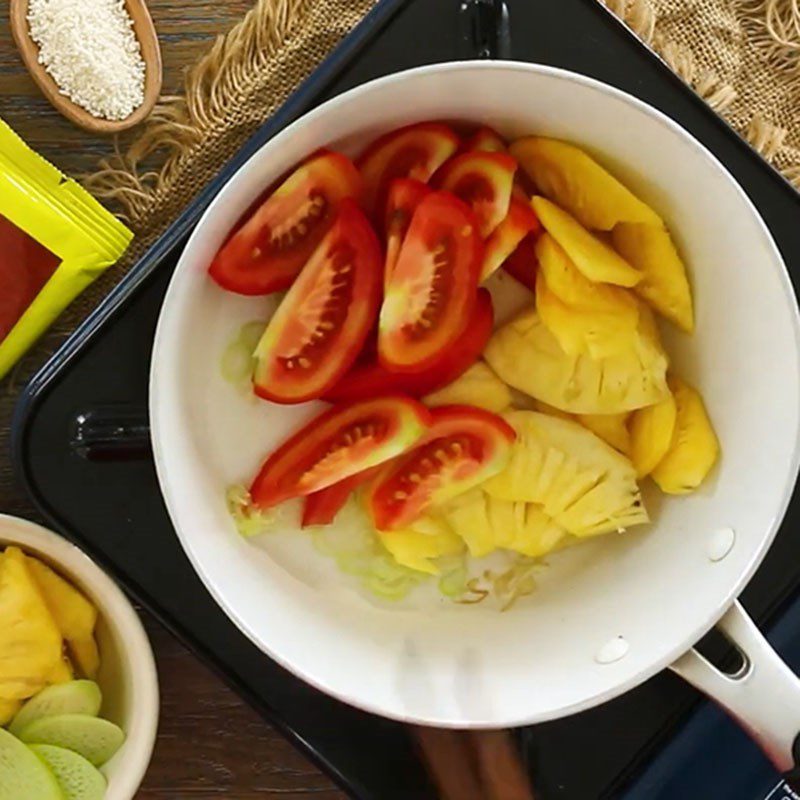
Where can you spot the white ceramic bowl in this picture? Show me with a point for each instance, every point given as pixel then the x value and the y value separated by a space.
pixel 432 661
pixel 127 674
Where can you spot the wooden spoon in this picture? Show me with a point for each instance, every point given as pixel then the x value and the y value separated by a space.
pixel 145 32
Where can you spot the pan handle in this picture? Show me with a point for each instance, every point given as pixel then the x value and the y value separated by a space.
pixel 484 29
pixel 763 695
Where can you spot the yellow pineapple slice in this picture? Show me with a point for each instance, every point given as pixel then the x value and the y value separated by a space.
pixel 581 483
pixel 63 671
pixel 468 516
pixel 611 428
pixel 574 180
pixel 536 534
pixel 528 357
pixel 592 256
pixel 650 249
pixel 651 430
pixel 73 613
pixel 8 710
pixel 30 642
pixel 478 386
pixel 85 656
pixel 694 448
pixel 572 287
pixel 417 547
pixel 487 523
pixel 598 333
pixel 544 408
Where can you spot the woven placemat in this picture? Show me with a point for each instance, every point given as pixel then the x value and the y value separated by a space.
pixel 742 56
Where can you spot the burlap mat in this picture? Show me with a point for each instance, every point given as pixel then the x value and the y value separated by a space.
pixel 742 56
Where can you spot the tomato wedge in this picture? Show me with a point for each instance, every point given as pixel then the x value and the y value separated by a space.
pixel 322 507
pixel 415 151
pixel 519 222
pixel 523 263
pixel 485 139
pixel 320 327
pixel 340 442
pixel 484 182
pixel 265 254
pixel 405 194
pixel 371 379
pixel 431 294
pixel 464 447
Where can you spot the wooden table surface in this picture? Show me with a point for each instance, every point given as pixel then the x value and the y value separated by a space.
pixel 210 745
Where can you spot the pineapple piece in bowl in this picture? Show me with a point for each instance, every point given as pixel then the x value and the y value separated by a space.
pixel 580 482
pixel 526 355
pixel 694 448
pixel 574 180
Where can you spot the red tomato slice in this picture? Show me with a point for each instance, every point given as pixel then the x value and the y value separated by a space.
pixel 464 447
pixel 320 327
pixel 405 194
pixel 265 254
pixel 415 151
pixel 484 182
pixel 486 140
pixel 520 221
pixel 431 294
pixel 371 379
pixel 523 263
pixel 340 442
pixel 322 507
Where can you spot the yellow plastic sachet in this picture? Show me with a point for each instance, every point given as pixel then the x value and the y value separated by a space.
pixel 55 239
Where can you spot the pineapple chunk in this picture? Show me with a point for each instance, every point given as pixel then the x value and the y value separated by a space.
pixel 651 434
pixel 85 656
pixel 533 533
pixel 73 613
pixel 665 285
pixel 468 516
pixel 611 428
pixel 416 547
pixel 580 482
pixel 574 180
pixel 544 408
pixel 592 256
pixel 8 710
pixel 63 672
pixel 478 386
pixel 694 449
pixel 487 523
pixel 572 287
pixel 30 643
pixel 528 357
pixel 597 333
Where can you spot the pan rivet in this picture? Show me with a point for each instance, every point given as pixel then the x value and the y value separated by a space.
pixel 720 543
pixel 613 650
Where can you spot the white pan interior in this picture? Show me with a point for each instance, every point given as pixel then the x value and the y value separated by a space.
pixel 429 660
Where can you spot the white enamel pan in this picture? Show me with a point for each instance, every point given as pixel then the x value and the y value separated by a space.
pixel 607 615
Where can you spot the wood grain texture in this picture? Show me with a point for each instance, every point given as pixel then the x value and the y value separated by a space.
pixel 211 745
